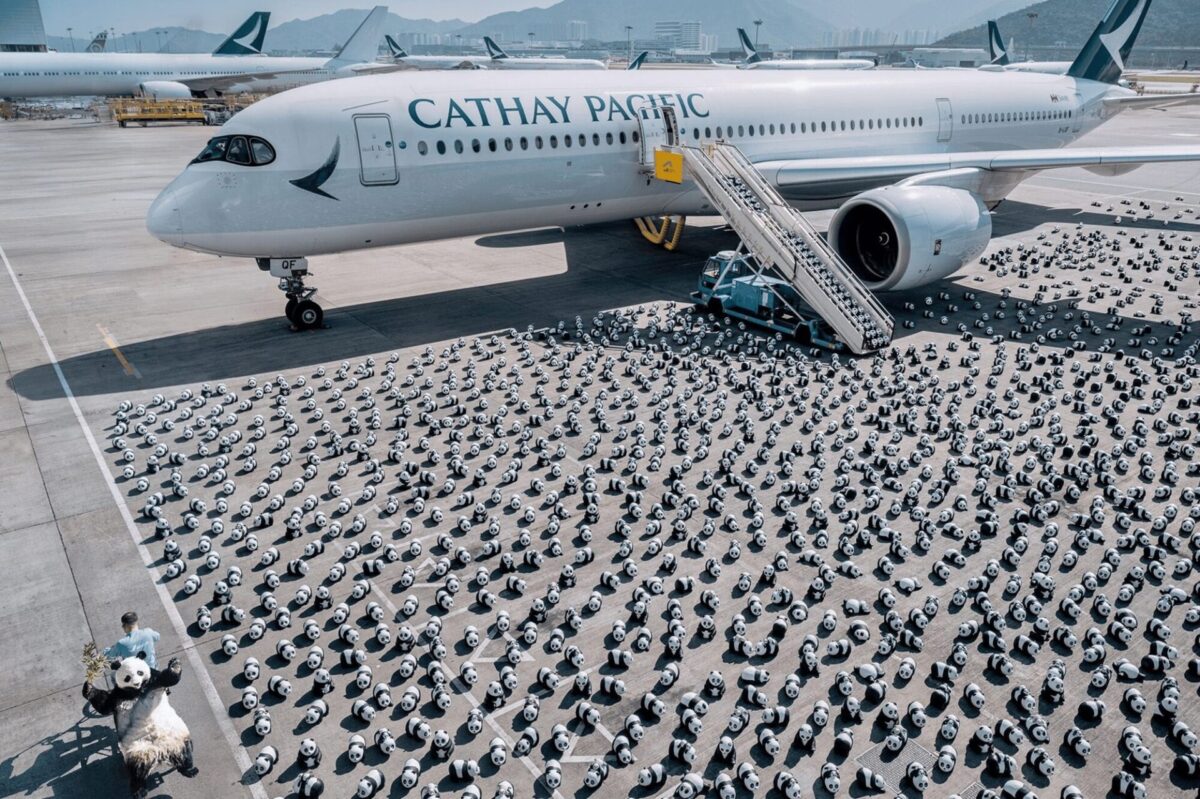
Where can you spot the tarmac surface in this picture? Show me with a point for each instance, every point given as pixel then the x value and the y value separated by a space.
pixel 99 313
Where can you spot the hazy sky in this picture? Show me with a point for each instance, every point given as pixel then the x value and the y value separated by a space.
pixel 219 16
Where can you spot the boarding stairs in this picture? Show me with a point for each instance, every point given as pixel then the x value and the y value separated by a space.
pixel 783 241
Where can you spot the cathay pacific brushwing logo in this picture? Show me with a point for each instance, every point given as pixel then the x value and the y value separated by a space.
pixel 313 182
pixel 1119 38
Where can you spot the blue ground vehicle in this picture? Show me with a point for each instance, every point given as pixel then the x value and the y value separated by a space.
pixel 730 285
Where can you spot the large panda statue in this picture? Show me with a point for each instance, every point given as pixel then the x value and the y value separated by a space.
pixel 149 731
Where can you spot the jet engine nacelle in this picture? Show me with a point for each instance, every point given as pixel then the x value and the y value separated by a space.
pixel 900 237
pixel 165 90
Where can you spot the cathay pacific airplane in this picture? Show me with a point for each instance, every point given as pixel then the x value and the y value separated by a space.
pixel 1001 59
pixel 495 59
pixel 912 159
pixel 502 60
pixel 754 60
pixel 237 65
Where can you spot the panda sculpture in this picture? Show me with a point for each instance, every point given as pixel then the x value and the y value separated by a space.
pixel 149 731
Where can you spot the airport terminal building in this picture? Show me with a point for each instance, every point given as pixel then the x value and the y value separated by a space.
pixel 21 29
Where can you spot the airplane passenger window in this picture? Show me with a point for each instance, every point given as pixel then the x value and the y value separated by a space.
pixel 553 142
pixel 608 137
pixel 537 142
pixel 772 128
pixel 492 145
pixel 422 148
pixel 636 137
pixel 524 143
pixel 508 144
pixel 475 145
pixel 441 147
pixel 596 139
pixel 567 140
pixel 621 137
pixel 793 127
pixel 762 130
pixel 741 131
pixel 582 140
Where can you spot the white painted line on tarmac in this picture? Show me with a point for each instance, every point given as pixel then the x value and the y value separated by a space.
pixel 193 655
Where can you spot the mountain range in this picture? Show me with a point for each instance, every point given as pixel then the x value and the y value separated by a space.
pixel 1170 23
pixel 786 23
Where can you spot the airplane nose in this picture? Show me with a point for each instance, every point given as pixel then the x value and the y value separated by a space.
pixel 164 220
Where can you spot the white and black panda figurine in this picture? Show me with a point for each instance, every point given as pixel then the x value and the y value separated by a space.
pixel 309 755
pixel 149 731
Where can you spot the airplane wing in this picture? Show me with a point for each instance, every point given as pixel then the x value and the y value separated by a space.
pixel 223 83
pixel 1152 102
pixel 977 171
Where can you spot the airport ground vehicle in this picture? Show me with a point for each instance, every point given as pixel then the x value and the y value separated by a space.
pixel 730 284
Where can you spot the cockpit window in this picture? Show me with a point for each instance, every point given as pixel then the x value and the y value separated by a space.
pixel 213 151
pixel 263 154
pixel 238 151
pixel 241 150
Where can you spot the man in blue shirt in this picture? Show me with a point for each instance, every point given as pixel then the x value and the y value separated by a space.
pixel 136 641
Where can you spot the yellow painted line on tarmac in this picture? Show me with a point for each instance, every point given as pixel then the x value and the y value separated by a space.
pixel 129 368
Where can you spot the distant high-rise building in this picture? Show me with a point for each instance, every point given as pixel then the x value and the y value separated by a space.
pixel 679 35
pixel 577 30
pixel 21 29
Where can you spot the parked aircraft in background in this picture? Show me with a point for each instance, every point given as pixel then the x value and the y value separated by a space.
pixel 754 60
pixel 237 65
pixel 502 60
pixel 1002 60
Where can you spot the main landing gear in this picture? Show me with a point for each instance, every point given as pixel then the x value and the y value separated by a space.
pixel 301 310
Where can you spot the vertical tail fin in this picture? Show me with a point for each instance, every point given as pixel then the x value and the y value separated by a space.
pixel 752 56
pixel 363 44
pixel 495 51
pixel 395 49
pixel 248 39
pixel 996 48
pixel 1103 57
pixel 97 45
pixel 637 62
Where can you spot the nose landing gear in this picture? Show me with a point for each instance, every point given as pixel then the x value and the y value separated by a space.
pixel 301 310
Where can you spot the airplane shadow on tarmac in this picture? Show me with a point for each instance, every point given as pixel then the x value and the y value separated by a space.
pixel 595 281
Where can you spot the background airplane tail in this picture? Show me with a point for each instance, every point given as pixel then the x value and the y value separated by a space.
pixel 395 49
pixel 248 39
pixel 494 50
pixel 752 56
pixel 363 45
pixel 996 48
pixel 97 45
pixel 641 59
pixel 1103 57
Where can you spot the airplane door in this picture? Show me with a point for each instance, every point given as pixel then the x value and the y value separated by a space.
pixel 1077 121
pixel 657 127
pixel 945 120
pixel 376 150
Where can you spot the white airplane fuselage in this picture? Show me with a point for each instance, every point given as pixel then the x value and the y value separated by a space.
pixel 487 62
pixel 121 74
pixel 456 154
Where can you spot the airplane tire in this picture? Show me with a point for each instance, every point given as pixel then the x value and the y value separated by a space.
pixel 308 315
pixel 289 310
